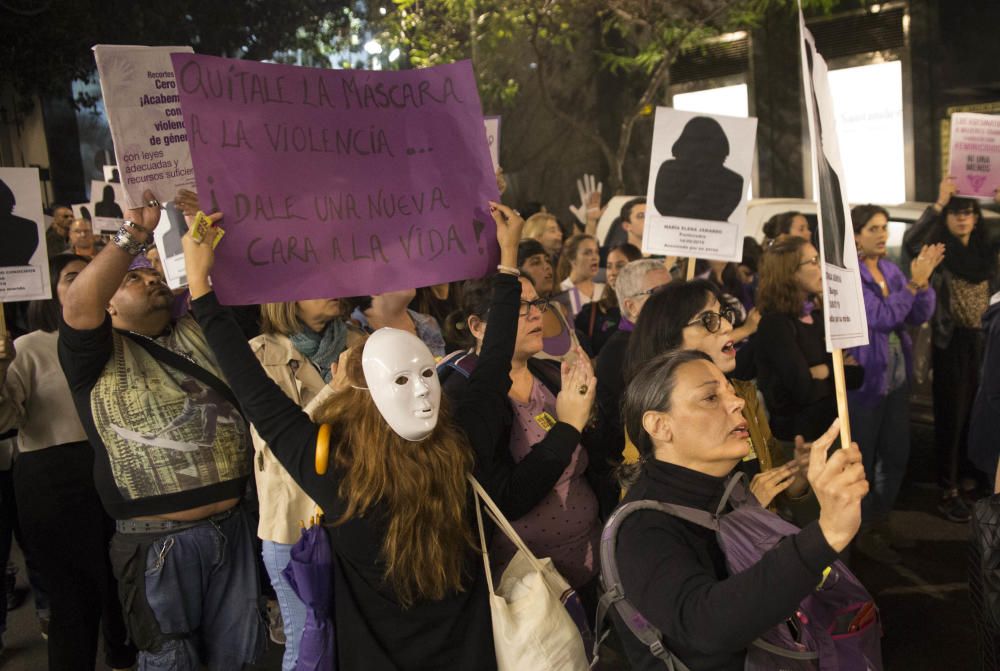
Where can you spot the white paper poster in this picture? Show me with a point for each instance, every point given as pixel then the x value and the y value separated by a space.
pixel 699 177
pixel 167 236
pixel 492 124
pixel 975 154
pixel 24 266
pixel 144 113
pixel 111 173
pixel 844 303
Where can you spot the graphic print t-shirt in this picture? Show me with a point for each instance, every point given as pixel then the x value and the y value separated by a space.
pixel 170 442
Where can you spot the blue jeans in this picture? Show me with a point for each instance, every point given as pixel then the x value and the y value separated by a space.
pixel 293 611
pixel 196 601
pixel 883 434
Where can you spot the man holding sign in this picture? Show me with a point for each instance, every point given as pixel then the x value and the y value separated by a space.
pixel 170 459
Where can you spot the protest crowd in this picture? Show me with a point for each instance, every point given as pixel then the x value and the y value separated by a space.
pixel 643 451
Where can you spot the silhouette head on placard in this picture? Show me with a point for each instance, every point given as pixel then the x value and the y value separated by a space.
pixel 107 207
pixel 19 235
pixel 695 183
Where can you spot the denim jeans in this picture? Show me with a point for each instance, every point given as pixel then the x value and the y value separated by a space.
pixel 883 434
pixel 196 601
pixel 293 611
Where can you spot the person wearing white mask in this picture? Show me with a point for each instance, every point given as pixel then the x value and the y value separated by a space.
pixel 410 589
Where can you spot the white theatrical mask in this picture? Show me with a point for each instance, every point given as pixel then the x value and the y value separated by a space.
pixel 401 375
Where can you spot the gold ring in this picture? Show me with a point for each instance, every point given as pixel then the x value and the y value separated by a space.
pixel 582 389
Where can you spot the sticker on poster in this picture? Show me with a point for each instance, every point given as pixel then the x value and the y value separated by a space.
pixel 699 178
pixel 492 124
pixel 24 268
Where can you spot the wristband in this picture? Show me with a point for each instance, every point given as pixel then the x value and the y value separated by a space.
pixel 125 239
pixel 509 270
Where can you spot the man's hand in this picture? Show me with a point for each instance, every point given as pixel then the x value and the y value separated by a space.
pixel 147 216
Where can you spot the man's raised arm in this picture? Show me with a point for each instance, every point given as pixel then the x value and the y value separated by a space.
pixel 88 296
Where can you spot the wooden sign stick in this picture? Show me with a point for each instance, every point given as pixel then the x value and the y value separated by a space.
pixel 692 262
pixel 841 389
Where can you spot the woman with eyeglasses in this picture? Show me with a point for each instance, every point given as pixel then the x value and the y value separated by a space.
pixel 559 338
pixel 553 459
pixel 963 284
pixel 693 316
pixel 880 409
pixel 795 370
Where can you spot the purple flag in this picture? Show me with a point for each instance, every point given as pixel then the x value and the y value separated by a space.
pixel 338 182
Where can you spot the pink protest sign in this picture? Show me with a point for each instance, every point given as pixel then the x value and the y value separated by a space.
pixel 975 154
pixel 339 182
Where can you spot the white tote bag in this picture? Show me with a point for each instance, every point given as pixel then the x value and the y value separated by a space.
pixel 531 627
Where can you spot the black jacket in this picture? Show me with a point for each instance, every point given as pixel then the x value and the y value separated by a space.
pixel 984 422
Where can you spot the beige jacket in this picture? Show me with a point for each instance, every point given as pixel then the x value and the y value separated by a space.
pixel 283 504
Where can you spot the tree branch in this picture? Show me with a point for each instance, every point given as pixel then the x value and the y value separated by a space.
pixel 543 87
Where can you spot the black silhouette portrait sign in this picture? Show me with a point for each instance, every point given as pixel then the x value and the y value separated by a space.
pixel 699 174
pixel 22 237
pixel 107 205
pixel 19 235
pixel 844 316
pixel 695 183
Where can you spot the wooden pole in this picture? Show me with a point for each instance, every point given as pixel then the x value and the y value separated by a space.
pixel 841 388
pixel 691 263
pixel 3 323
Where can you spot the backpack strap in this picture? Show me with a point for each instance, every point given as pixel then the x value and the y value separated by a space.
pixel 614 594
pixel 736 492
pixel 185 365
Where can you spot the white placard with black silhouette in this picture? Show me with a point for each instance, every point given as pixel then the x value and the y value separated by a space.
pixel 699 177
pixel 107 206
pixel 24 267
pixel 844 303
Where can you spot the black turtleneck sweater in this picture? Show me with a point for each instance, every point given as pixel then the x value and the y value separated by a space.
pixel 675 573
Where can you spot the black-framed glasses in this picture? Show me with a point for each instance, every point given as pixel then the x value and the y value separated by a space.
pixel 526 306
pixel 648 292
pixel 712 321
